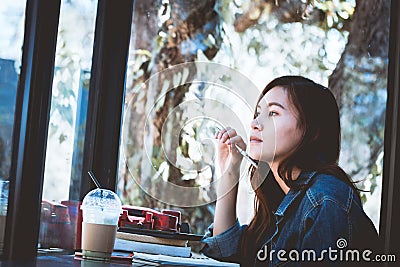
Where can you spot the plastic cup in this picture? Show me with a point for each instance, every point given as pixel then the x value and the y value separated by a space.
pixel 100 210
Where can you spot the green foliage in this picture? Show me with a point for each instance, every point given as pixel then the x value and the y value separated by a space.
pixel 62 138
pixel 157 157
pixel 336 12
pixel 62 97
pixel 375 175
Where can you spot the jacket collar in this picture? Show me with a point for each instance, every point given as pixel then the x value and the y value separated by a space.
pixel 302 181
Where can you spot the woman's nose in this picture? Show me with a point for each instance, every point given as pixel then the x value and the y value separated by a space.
pixel 255 125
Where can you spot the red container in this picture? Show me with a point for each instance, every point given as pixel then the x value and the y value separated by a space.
pixel 73 210
pixel 55 226
pixel 145 218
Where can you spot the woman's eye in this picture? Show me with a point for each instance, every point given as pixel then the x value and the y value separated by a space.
pixel 256 114
pixel 272 113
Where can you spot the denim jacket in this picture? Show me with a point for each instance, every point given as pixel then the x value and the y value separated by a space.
pixel 315 224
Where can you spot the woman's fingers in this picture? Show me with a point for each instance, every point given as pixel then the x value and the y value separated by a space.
pixel 226 134
pixel 220 133
pixel 237 141
pixel 228 139
pixel 234 140
pixel 229 136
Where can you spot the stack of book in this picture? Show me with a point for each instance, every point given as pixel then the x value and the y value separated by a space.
pixel 158 248
pixel 152 245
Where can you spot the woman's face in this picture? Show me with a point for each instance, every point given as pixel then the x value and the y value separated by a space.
pixel 274 133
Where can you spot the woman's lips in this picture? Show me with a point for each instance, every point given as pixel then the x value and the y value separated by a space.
pixel 254 139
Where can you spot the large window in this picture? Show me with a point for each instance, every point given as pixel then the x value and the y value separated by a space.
pixel 170 120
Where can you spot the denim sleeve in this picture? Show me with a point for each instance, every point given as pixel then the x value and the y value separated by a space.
pixel 224 245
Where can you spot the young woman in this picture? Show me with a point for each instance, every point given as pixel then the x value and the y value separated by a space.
pixel 307 210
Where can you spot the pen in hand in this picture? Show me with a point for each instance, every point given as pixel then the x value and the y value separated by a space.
pixel 246 156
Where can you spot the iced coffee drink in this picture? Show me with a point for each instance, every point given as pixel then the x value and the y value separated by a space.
pixel 100 209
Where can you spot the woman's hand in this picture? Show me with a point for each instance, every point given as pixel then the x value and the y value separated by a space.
pixel 229 160
pixel 228 156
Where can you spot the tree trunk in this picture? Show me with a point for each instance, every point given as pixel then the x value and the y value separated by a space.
pixel 144 32
pixel 187 28
pixel 152 122
pixel 368 39
pixel 359 83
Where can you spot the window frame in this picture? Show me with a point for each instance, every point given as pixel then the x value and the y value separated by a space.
pixel 106 94
pixel 390 204
pixel 31 120
pixel 106 97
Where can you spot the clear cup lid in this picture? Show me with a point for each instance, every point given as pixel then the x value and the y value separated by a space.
pixel 102 199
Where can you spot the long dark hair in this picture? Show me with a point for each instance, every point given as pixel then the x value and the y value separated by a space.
pixel 318 118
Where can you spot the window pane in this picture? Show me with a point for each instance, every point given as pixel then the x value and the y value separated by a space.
pixel 164 144
pixel 12 16
pixel 67 124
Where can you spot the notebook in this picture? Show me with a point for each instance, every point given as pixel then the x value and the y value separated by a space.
pixel 143 259
pixel 150 248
